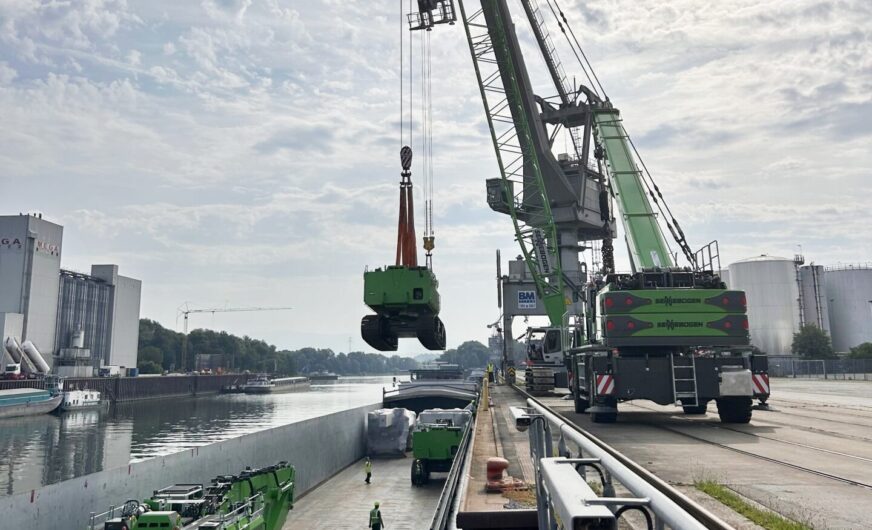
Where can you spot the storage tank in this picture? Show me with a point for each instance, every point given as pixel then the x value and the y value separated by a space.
pixel 849 297
pixel 33 354
pixel 814 297
pixel 78 340
pixel 13 348
pixel 772 292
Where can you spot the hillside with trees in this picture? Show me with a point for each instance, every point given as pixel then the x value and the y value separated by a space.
pixel 161 349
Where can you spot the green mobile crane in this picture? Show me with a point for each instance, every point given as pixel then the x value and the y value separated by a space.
pixel 661 332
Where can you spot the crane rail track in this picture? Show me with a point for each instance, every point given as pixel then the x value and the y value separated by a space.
pixel 767 458
pixel 762 437
pixel 697 511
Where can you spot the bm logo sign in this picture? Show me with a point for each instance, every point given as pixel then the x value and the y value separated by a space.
pixel 526 299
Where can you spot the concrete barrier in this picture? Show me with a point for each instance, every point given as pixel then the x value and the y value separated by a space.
pixel 318 448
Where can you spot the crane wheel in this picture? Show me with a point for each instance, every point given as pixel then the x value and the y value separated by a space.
pixel 431 332
pixel 375 330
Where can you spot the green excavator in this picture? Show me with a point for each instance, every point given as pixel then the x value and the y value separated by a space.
pixel 404 296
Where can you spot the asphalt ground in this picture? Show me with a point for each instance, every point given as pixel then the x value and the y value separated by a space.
pixel 809 458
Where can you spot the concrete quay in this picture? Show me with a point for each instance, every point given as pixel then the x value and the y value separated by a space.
pixel 809 458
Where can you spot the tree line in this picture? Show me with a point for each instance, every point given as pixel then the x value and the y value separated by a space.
pixel 161 349
pixel 812 342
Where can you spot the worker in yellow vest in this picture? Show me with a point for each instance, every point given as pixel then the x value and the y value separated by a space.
pixel 367 468
pixel 490 372
pixel 375 518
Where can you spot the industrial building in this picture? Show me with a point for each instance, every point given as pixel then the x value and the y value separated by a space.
pixel 78 321
pixel 784 294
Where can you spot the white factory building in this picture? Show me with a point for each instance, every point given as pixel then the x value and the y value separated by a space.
pixel 783 294
pixel 79 321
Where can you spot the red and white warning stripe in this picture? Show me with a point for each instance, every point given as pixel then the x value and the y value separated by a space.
pixel 605 384
pixel 761 383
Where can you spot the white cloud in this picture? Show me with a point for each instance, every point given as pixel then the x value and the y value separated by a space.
pixel 247 151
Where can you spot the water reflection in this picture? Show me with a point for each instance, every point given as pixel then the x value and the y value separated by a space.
pixel 40 450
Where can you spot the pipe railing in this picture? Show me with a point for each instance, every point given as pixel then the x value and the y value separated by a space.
pixel 669 505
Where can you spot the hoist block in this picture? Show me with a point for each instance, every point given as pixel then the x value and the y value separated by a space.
pixel 406 302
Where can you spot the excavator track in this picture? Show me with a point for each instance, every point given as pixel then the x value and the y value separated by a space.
pixel 375 330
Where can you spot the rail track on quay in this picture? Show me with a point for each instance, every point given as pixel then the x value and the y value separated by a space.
pixel 722 427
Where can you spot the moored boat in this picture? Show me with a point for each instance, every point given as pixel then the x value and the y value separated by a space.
pixel 432 386
pixel 81 399
pixel 323 376
pixel 262 384
pixel 16 402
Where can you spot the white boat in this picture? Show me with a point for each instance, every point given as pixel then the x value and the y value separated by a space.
pixel 80 399
pixel 259 385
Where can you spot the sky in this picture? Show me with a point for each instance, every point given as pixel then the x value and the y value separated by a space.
pixel 239 153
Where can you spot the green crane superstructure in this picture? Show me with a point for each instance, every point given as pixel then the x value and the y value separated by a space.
pixel 663 332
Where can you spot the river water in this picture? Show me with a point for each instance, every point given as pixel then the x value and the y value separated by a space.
pixel 40 450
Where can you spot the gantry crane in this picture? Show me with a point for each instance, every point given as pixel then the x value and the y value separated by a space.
pixel 184 310
pixel 663 332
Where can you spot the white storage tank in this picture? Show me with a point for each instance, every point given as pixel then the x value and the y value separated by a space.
pixel 772 292
pixel 849 297
pixel 78 340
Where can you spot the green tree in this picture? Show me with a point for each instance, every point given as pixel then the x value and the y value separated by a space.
pixel 151 354
pixel 812 342
pixel 470 354
pixel 149 367
pixel 862 351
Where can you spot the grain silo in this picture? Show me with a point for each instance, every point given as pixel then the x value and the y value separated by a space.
pixel 849 296
pixel 772 291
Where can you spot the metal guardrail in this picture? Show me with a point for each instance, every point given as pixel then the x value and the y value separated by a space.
pixel 669 505
pixel 445 506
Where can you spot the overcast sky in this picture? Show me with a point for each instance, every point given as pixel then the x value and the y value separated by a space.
pixel 245 152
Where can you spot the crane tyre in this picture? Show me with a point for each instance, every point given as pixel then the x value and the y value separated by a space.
pixel 734 409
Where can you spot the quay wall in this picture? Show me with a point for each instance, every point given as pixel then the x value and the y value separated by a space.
pixel 123 389
pixel 318 448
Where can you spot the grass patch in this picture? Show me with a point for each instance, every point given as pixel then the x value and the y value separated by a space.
pixel 525 497
pixel 595 486
pixel 764 518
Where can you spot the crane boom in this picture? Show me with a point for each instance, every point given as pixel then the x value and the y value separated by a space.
pixel 645 239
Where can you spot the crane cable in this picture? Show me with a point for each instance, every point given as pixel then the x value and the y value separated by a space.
pixel 427 133
pixel 647 179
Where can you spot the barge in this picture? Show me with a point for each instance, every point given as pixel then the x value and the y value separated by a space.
pixel 262 384
pixel 17 402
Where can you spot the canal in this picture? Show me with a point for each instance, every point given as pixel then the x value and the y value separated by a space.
pixel 40 450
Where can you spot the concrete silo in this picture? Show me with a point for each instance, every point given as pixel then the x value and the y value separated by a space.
pixel 849 297
pixel 770 284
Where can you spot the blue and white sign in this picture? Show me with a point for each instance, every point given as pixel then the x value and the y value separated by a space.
pixel 526 299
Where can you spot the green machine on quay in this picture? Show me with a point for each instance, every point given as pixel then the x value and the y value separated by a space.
pixel 662 332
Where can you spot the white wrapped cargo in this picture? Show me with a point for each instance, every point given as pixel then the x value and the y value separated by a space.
pixel 389 432
pixel 457 417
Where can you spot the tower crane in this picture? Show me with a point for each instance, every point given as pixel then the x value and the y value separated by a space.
pixel 185 311
pixel 664 332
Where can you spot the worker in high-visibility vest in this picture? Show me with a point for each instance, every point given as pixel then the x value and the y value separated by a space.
pixel 367 468
pixel 490 372
pixel 375 518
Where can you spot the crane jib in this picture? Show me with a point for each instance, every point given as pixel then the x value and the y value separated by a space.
pixel 645 239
